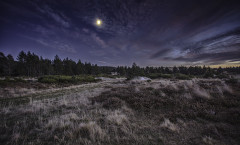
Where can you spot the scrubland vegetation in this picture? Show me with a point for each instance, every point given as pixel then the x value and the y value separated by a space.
pixel 67 79
pixel 88 105
pixel 116 111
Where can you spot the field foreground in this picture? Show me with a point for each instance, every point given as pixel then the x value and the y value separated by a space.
pixel 115 111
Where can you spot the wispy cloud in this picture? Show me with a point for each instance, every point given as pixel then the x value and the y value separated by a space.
pixel 147 32
pixel 57 45
pixel 57 16
pixel 98 40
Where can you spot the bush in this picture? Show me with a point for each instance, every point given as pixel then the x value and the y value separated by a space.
pixel 182 77
pixel 232 81
pixel 67 79
pixel 208 75
pixel 222 76
pixel 148 81
pixel 47 79
pixel 166 76
pixel 108 76
pixel 19 80
pixel 159 75
pixel 113 103
pixel 9 79
pixel 154 75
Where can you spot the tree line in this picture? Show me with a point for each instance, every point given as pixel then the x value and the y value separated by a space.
pixel 192 70
pixel 30 64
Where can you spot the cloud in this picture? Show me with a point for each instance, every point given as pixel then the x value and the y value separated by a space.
pixel 55 44
pixel 175 32
pixel 223 47
pixel 63 46
pixel 99 53
pixel 59 19
pixel 85 30
pixel 57 16
pixel 213 58
pixel 160 53
pixel 100 61
pixel 216 49
pixel 98 40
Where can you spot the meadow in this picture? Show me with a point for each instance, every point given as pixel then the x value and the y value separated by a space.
pixel 119 111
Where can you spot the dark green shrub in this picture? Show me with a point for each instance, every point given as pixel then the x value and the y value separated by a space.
pixel 182 77
pixel 208 75
pixel 67 79
pixel 154 75
pixel 159 75
pixel 222 76
pixel 47 79
pixel 108 76
pixel 232 81
pixel 19 80
pixel 166 76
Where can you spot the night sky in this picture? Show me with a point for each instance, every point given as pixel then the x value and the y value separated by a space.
pixel 148 32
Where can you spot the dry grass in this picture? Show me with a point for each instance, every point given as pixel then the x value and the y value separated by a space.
pixel 168 124
pixel 117 112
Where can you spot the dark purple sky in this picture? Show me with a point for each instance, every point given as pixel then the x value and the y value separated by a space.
pixel 148 32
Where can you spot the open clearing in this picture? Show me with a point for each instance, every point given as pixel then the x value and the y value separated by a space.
pixel 115 111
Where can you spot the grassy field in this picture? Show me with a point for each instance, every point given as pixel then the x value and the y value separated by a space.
pixel 116 111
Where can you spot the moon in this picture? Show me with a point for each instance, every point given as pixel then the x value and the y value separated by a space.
pixel 98 22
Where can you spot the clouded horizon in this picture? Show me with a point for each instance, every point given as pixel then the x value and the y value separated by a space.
pixel 148 32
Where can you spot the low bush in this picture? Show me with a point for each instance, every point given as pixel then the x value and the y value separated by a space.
pixel 67 79
pixel 113 103
pixel 9 79
pixel 182 77
pixel 151 102
pixel 208 75
pixel 154 75
pixel 19 80
pixel 12 82
pixel 47 80
pixel 108 76
pixel 222 76
pixel 159 75
pixel 166 76
pixel 232 81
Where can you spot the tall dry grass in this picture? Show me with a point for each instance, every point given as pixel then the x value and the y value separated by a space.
pixel 197 111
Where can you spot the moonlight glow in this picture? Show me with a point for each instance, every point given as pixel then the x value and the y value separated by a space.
pixel 98 22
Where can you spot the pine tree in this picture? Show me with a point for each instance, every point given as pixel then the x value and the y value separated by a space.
pixel 10 65
pixel 57 65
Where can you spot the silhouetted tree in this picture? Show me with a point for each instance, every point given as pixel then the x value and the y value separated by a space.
pixel 31 64
pixel 10 65
pixel 175 70
pixel 57 65
pixel 3 64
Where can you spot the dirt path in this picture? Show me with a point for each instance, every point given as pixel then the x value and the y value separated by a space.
pixel 24 95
